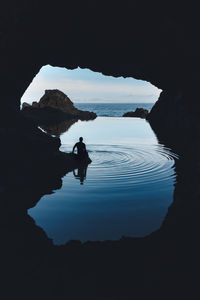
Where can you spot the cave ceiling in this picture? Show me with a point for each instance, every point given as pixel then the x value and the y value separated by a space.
pixel 156 42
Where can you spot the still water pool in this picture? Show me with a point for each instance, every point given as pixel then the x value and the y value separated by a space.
pixel 125 191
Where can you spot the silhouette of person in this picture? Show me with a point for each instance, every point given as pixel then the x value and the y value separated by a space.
pixel 81 148
pixel 81 174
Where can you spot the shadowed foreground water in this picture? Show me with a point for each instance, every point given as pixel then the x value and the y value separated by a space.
pixel 125 191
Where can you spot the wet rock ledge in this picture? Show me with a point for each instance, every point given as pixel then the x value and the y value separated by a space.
pixel 138 113
pixel 54 107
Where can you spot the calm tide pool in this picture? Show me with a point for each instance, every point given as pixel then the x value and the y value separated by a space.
pixel 125 191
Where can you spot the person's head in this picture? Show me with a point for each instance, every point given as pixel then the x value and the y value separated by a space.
pixel 80 139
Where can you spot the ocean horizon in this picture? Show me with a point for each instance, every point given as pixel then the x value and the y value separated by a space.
pixel 112 109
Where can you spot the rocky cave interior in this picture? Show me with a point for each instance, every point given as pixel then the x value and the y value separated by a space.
pixel 153 41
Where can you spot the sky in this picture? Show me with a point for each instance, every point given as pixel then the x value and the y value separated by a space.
pixel 85 86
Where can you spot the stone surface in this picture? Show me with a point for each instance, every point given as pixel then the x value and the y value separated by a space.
pixel 25 105
pixel 138 113
pixel 54 107
pixel 34 104
pixel 175 121
pixel 58 100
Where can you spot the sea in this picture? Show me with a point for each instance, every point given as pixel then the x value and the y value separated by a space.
pixel 125 191
pixel 112 109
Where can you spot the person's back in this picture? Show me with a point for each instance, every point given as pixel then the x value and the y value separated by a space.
pixel 81 148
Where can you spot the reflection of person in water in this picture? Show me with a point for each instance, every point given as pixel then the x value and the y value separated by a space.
pixel 82 154
pixel 81 173
pixel 81 149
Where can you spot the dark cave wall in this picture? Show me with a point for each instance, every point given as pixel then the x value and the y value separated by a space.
pixel 157 42
pixel 175 119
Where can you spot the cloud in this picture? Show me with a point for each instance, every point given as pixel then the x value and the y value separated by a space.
pixel 98 88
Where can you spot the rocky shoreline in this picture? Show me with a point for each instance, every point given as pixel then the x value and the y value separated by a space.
pixel 138 113
pixel 54 107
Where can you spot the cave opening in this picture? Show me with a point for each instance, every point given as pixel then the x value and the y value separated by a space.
pixel 86 86
pixel 128 186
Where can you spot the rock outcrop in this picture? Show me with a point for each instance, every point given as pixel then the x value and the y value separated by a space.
pixel 175 121
pixel 138 113
pixel 57 100
pixel 25 105
pixel 54 107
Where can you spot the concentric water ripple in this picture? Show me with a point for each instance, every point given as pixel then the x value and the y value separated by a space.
pixel 130 166
pixel 126 190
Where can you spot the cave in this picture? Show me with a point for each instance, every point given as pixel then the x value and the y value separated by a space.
pixel 153 41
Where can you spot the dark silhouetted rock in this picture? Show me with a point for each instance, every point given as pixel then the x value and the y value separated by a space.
pixel 34 104
pixel 57 100
pixel 25 105
pixel 55 107
pixel 175 120
pixel 138 113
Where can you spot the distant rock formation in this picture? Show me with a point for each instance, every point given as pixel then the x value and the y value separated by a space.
pixel 138 113
pixel 25 105
pixel 58 100
pixel 54 107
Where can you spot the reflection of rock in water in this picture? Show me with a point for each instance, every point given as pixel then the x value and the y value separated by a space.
pixel 58 129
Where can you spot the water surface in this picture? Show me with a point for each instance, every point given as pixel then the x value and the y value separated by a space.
pixel 112 109
pixel 125 191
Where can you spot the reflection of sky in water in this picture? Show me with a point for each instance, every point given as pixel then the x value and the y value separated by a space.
pixel 111 131
pixel 127 190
